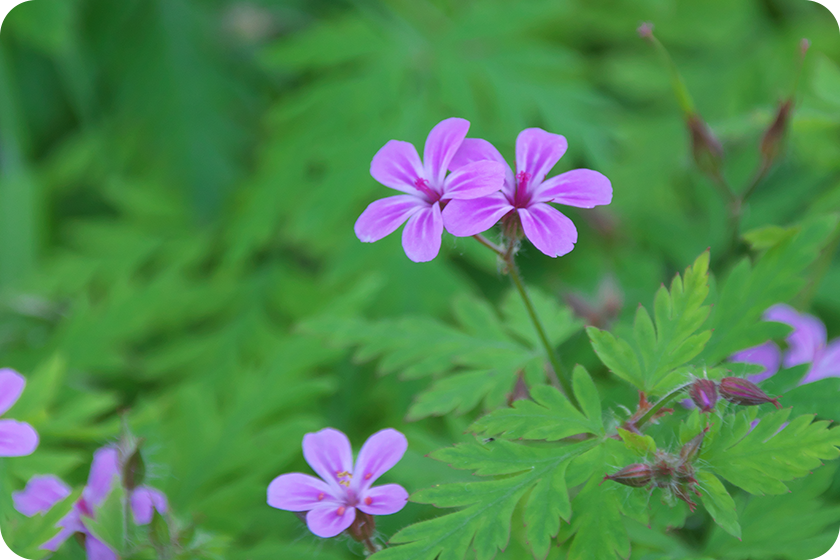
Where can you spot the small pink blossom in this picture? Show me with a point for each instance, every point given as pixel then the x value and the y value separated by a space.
pixel 43 492
pixel 427 189
pixel 332 500
pixel 16 438
pixel 525 196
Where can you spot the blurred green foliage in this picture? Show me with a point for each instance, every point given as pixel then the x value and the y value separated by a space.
pixel 178 185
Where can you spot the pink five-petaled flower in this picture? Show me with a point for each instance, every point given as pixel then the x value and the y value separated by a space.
pixel 427 189
pixel 332 500
pixel 525 195
pixel 43 492
pixel 16 438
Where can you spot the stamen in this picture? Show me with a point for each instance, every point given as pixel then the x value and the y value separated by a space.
pixel 320 496
pixel 341 510
pixel 368 501
pixel 368 475
pixel 521 196
pixel 422 185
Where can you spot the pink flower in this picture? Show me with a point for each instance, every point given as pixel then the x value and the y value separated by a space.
pixel 332 500
pixel 808 343
pixel 16 438
pixel 427 189
pixel 525 195
pixel 43 492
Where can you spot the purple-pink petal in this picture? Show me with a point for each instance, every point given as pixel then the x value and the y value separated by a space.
pixel 98 550
pixel 42 492
pixel 827 363
pixel 384 500
pixel 549 230
pixel 300 492
pixel 582 188
pixel 766 355
pixel 807 337
pixel 17 438
pixel 537 151
pixel 329 520
pixel 11 387
pixel 69 524
pixel 421 235
pixel 469 217
pixel 441 144
pixel 144 501
pixel 479 178
pixel 478 149
pixel 380 453
pixel 397 165
pixel 329 454
pixel 104 470
pixel 382 217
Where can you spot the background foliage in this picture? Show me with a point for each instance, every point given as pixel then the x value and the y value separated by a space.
pixel 178 184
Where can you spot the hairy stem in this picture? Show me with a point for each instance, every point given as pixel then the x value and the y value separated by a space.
pixel 370 546
pixel 661 403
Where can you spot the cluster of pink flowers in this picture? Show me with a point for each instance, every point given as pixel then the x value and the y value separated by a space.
pixel 45 491
pixel 480 190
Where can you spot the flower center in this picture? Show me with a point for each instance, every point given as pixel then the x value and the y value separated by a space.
pixel 522 196
pixel 422 185
pixel 344 478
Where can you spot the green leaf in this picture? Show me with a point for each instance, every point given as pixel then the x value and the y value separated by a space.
pixel 761 460
pixel 109 523
pixel 749 290
pixel 32 532
pixel 641 445
pixel 476 361
pixel 548 416
pixel 597 523
pixel 718 503
pixel 484 523
pixel 666 342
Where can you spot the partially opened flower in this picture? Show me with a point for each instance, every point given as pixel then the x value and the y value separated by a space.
pixel 766 355
pixel 525 196
pixel 427 188
pixel 332 501
pixel 16 438
pixel 43 492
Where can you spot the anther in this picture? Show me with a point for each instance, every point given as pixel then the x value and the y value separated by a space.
pixel 320 496
pixel 368 501
pixel 341 510
pixel 368 476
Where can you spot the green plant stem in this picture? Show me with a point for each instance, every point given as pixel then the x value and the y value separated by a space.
pixel 661 403
pixel 556 370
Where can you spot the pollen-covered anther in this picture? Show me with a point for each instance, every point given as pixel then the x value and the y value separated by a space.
pixel 344 478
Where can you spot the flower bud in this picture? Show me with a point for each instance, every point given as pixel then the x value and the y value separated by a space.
pixel 636 475
pixel 134 470
pixel 771 142
pixel 707 149
pixel 681 492
pixel 743 392
pixel 704 394
pixel 691 449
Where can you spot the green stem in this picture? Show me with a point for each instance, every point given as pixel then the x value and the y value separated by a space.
pixel 555 372
pixel 661 403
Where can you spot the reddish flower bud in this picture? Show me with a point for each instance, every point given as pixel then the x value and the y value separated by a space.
pixel 771 142
pixel 704 394
pixel 636 475
pixel 363 526
pixel 683 494
pixel 743 392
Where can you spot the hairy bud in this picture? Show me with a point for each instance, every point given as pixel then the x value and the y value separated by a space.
pixel 771 142
pixel 743 392
pixel 636 475
pixel 704 394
